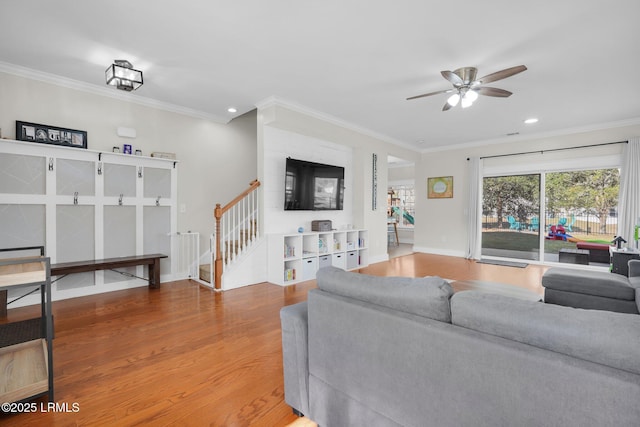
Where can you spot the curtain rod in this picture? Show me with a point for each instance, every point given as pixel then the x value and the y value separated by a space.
pixel 551 150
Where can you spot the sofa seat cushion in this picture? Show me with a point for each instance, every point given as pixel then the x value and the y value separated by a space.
pixel 611 339
pixel 597 283
pixel 426 296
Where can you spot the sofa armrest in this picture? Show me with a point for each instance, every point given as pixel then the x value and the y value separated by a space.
pixel 634 271
pixel 295 356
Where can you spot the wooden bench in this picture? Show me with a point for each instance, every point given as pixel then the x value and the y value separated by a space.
pixel 152 261
pixel 64 268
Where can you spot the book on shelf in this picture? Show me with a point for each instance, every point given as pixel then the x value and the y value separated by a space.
pixel 289 251
pixel 289 274
pixel 322 246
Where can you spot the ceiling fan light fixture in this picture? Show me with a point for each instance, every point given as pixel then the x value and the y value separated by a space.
pixel 454 99
pixel 468 87
pixel 471 95
pixel 468 98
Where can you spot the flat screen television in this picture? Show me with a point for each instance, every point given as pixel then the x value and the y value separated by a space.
pixel 313 186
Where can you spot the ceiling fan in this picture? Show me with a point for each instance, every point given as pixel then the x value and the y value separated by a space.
pixel 466 87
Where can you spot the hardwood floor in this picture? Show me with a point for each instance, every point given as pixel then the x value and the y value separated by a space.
pixel 418 265
pixel 184 355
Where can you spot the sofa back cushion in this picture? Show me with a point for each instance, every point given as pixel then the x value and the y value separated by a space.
pixel 604 337
pixel 426 297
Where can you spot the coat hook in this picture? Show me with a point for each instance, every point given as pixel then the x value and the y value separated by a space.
pixel 50 163
pixel 120 199
pixel 158 201
pixel 99 168
pixel 75 198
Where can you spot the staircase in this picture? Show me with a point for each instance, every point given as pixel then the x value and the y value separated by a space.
pixel 206 270
pixel 237 233
pixel 235 248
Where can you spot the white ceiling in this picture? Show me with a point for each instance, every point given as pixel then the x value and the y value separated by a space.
pixel 355 60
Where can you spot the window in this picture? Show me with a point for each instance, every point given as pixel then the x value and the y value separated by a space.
pixel 547 213
pixel 401 204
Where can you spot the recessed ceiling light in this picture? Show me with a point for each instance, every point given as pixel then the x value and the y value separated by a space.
pixel 531 120
pixel 231 110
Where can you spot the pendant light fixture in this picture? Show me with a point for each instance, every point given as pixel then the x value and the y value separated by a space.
pixel 123 76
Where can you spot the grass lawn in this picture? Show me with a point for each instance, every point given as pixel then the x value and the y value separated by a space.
pixel 523 241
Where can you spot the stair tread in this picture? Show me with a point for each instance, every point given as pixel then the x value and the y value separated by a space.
pixel 205 272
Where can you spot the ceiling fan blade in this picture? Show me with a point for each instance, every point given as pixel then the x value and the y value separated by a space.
pixel 452 77
pixel 492 91
pixel 430 93
pixel 502 74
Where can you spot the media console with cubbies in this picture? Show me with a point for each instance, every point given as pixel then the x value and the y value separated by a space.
pixel 295 258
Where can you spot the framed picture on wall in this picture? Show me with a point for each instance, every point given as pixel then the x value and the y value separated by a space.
pixel 440 187
pixel 45 134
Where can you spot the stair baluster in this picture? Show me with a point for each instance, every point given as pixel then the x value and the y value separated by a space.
pixel 233 222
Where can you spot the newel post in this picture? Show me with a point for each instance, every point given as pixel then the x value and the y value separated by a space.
pixel 218 261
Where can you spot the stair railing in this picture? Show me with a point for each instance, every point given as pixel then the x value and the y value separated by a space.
pixel 236 226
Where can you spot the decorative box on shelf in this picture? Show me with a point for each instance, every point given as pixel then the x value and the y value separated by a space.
pixel 162 155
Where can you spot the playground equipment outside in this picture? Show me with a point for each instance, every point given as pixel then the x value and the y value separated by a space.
pixel 398 211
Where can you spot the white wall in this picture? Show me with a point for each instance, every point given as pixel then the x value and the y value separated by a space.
pixel 331 133
pixel 402 174
pixel 216 161
pixel 441 223
pixel 280 144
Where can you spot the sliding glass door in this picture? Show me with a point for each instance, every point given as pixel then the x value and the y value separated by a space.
pixel 510 217
pixel 536 216
pixel 581 206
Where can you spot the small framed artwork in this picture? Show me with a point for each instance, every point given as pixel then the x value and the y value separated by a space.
pixel 46 134
pixel 440 187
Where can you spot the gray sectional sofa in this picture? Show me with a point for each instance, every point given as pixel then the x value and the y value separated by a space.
pixel 594 290
pixel 381 351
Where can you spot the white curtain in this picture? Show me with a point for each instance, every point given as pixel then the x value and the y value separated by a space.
pixel 474 209
pixel 629 199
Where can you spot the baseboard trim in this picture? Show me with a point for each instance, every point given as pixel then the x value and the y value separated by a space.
pixel 379 258
pixel 438 251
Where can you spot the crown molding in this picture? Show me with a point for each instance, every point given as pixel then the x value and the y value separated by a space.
pixel 68 83
pixel 274 101
pixel 540 135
